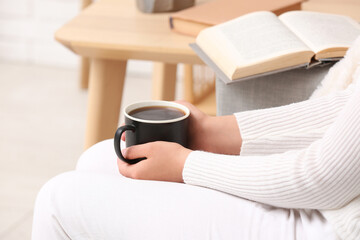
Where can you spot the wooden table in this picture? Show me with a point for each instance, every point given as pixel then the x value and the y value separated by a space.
pixel 110 32
pixel 350 8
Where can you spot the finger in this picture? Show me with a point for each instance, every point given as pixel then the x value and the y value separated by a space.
pixel 130 170
pixel 122 135
pixel 136 151
pixel 122 166
pixel 125 169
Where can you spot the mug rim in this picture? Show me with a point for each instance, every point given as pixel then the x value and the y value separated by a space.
pixel 152 103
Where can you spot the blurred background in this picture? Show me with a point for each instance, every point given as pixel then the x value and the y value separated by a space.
pixel 42 107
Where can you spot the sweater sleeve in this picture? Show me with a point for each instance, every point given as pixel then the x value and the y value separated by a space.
pixel 290 127
pixel 325 175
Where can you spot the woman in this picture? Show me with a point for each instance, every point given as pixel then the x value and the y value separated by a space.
pixel 297 177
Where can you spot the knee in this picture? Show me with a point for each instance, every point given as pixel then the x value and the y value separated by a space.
pixel 49 192
pixel 100 158
pixel 92 153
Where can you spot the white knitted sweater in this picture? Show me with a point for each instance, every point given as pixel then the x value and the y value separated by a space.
pixel 304 155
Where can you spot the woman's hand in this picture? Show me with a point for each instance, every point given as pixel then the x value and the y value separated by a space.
pixel 165 161
pixel 212 134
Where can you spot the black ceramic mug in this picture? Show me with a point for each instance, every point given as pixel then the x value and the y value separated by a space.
pixel 151 121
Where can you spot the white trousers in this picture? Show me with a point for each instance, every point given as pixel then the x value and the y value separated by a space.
pixel 96 202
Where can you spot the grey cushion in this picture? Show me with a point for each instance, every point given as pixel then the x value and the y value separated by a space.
pixel 268 91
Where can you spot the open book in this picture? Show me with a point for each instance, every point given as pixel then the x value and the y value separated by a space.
pixel 261 42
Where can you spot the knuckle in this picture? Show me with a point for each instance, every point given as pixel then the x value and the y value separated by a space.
pixel 128 152
pixel 157 146
pixel 175 145
pixel 151 146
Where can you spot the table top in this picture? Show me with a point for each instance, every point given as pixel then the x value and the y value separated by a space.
pixel 350 8
pixel 116 29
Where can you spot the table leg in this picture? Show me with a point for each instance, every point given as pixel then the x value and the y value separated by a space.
pixel 84 72
pixel 164 81
pixel 104 101
pixel 85 62
pixel 188 84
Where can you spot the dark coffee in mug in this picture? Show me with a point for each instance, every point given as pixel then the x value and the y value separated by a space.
pixel 151 121
pixel 157 113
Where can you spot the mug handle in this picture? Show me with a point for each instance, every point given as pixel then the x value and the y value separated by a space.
pixel 117 145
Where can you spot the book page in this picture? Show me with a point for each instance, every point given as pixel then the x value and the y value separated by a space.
pixel 322 31
pixel 248 40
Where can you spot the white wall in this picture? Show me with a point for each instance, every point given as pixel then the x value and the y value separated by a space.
pixel 27 30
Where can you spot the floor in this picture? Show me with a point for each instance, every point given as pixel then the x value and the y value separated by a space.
pixel 42 116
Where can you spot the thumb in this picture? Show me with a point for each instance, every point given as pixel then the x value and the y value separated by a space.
pixel 193 109
pixel 186 104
